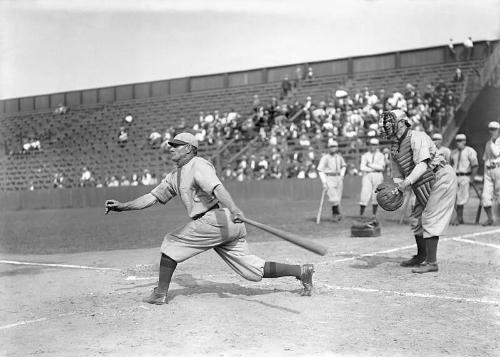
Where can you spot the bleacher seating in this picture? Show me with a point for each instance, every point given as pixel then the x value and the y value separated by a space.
pixel 87 136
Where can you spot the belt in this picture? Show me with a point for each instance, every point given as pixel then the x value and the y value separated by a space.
pixel 463 173
pixel 493 165
pixel 199 215
pixel 331 174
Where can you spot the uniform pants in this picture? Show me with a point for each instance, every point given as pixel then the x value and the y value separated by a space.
pixel 215 230
pixel 433 218
pixel 463 190
pixel 369 183
pixel 491 186
pixel 335 187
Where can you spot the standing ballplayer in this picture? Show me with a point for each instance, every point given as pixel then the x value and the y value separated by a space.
pixel 331 170
pixel 443 150
pixel 464 162
pixel 417 164
pixel 372 166
pixel 491 157
pixel 211 226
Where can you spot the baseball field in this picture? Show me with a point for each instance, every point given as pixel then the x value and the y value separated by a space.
pixel 72 282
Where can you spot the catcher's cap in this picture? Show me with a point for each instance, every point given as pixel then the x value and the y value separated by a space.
pixel 437 136
pixel 494 125
pixel 332 143
pixel 373 141
pixel 460 137
pixel 183 139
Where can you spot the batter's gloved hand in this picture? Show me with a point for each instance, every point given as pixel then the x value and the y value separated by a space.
pixel 237 214
pixel 112 205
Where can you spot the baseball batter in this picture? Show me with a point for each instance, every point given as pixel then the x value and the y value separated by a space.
pixel 331 170
pixel 464 162
pixel 416 163
pixel 491 182
pixel 372 166
pixel 211 226
pixel 443 150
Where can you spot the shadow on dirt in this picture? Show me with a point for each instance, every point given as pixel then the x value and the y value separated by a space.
pixel 21 271
pixel 374 261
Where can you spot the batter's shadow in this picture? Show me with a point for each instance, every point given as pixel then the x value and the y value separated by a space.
pixel 375 260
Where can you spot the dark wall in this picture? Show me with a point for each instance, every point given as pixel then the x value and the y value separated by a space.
pixel 486 108
pixel 293 189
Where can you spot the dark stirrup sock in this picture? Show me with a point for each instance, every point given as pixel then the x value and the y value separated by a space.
pixel 431 245
pixel 374 209
pixel 276 270
pixel 421 250
pixel 167 267
pixel 361 210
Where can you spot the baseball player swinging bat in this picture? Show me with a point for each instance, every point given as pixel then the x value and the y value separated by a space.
pixel 301 242
pixel 320 210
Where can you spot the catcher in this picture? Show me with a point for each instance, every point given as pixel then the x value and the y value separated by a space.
pixel 416 163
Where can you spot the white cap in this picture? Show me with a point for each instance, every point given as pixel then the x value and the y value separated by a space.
pixel 332 143
pixel 183 139
pixel 460 137
pixel 373 126
pixel 373 141
pixel 437 136
pixel 494 125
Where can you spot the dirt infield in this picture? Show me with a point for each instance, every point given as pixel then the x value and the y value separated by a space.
pixel 83 298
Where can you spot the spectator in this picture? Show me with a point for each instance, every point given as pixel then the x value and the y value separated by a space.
pixel 468 49
pixel 181 127
pixel 451 50
pixel 304 140
pixel 298 76
pixel 86 179
pixel 154 180
pixel 113 182
pixel 311 172
pixel 146 178
pixel 310 74
pixel 228 173
pixel 58 181
pixel 61 109
pixel 122 137
pixel 124 181
pixel 286 87
pixel 458 77
pixel 155 139
pixel 168 135
pixel 128 118
pixel 135 180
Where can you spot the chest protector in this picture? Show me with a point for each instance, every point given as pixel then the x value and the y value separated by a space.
pixel 403 156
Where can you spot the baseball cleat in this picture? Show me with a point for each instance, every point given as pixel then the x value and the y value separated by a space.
pixel 426 268
pixel 306 274
pixel 415 261
pixel 156 297
pixel 489 222
pixel 336 218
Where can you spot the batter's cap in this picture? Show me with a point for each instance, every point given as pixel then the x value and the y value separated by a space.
pixel 460 137
pixel 437 136
pixel 183 139
pixel 333 143
pixel 493 125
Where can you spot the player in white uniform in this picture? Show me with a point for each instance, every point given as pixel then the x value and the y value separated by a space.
pixel 417 164
pixel 491 185
pixel 372 166
pixel 443 150
pixel 331 170
pixel 211 226
pixel 464 161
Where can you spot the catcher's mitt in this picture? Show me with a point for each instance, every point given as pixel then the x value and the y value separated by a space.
pixel 389 197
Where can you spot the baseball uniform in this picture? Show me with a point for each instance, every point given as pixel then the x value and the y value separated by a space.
pixel 211 226
pixel 434 206
pixel 372 176
pixel 491 185
pixel 332 169
pixel 463 161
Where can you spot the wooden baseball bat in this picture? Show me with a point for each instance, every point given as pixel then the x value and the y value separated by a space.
pixel 292 238
pixel 480 206
pixel 320 210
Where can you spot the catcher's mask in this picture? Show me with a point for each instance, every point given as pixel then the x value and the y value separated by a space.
pixel 388 123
